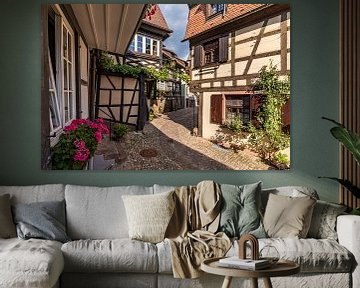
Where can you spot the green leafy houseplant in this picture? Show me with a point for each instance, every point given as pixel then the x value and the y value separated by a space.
pixel 77 144
pixel 351 141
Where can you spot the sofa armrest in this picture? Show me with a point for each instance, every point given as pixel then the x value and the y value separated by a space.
pixel 348 230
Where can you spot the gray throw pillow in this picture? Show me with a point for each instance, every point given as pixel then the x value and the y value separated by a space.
pixel 240 213
pixel 323 222
pixel 7 226
pixel 43 220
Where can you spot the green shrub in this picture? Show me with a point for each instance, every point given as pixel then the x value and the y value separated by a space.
pixel 234 124
pixel 281 158
pixel 267 142
pixel 152 115
pixel 269 138
pixel 119 130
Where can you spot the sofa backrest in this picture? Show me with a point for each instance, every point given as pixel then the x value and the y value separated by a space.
pixel 163 188
pixel 98 213
pixel 36 193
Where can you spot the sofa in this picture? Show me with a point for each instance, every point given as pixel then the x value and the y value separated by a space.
pixel 100 253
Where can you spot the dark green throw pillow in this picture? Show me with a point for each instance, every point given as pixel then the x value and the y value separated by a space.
pixel 43 220
pixel 240 213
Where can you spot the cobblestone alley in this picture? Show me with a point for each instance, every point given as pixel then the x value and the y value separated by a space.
pixel 167 144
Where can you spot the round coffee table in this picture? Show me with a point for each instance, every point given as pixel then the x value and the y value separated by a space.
pixel 281 268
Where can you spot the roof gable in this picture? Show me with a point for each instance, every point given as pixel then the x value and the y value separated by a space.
pixel 157 20
pixel 198 22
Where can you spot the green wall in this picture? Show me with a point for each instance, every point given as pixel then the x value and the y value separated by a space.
pixel 314 64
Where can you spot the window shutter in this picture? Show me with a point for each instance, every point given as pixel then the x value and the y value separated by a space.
pixel 223 48
pixel 198 56
pixel 216 109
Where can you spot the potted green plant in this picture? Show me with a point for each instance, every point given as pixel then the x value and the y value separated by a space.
pixel 351 141
pixel 118 131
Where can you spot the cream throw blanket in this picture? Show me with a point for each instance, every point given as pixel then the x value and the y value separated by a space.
pixel 191 231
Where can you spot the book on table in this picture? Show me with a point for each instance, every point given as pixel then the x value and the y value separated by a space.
pixel 236 262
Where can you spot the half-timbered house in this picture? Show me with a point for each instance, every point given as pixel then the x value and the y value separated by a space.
pixel 147 49
pixel 229 45
pixel 70 35
pixel 174 89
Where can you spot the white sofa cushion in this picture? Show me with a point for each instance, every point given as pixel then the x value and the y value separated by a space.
pixel 313 255
pixel 117 255
pixel 98 213
pixel 30 263
pixel 36 193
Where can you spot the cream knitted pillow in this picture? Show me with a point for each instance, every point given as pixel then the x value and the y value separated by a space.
pixel 149 215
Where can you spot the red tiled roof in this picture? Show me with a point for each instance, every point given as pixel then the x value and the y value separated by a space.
pixel 172 55
pixel 197 22
pixel 157 20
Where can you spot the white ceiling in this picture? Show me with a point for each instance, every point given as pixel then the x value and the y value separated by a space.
pixel 108 27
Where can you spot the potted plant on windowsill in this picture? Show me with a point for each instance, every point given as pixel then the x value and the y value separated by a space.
pixel 351 141
pixel 78 144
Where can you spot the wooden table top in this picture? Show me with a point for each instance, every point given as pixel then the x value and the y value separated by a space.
pixel 281 268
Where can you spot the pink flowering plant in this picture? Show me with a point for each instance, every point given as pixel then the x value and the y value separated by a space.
pixel 78 143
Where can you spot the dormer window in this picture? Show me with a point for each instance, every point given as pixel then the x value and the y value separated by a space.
pixel 217 8
pixel 145 45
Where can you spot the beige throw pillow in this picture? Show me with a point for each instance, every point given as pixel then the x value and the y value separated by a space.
pixel 288 217
pixel 148 215
pixel 7 226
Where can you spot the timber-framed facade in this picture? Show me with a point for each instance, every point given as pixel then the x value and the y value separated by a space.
pixel 71 35
pixel 229 44
pixel 147 49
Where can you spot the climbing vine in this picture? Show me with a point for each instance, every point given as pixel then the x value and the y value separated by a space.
pixel 107 63
pixel 268 138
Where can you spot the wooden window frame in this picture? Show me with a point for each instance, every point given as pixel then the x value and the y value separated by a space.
pixel 56 101
pixel 58 75
pixel 211 51
pixel 220 55
pixel 69 61
pixel 241 107
pixel 144 40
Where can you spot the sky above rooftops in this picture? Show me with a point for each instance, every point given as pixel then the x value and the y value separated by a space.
pixel 176 17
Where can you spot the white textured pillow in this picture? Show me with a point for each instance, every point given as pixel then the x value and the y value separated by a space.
pixel 149 215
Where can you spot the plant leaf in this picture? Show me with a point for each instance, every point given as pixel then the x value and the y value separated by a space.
pixel 347 184
pixel 333 121
pixel 348 138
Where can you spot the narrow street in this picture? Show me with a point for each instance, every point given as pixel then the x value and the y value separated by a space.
pixel 167 144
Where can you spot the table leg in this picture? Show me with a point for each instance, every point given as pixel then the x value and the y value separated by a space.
pixel 267 283
pixel 227 282
pixel 254 282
